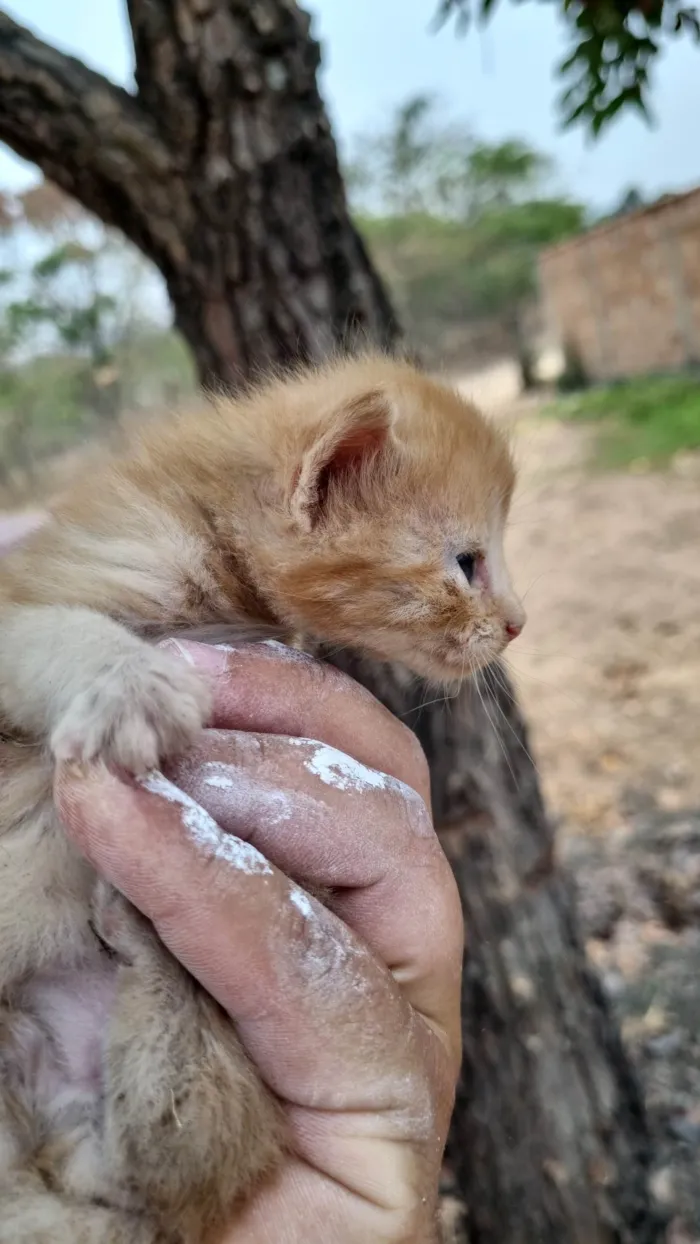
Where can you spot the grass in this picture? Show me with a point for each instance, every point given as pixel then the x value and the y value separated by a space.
pixel 642 422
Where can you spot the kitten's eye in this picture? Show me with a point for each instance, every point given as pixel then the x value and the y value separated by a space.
pixel 467 564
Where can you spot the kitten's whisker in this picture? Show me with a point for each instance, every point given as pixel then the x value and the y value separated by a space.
pixel 335 650
pixel 538 578
pixel 502 684
pixel 444 698
pixel 506 690
pixel 494 727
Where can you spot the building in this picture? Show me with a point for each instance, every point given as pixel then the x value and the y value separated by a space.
pixel 626 294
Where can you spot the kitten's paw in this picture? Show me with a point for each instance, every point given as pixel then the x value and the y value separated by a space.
pixel 119 926
pixel 144 708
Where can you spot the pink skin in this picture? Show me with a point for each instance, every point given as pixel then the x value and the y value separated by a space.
pixel 351 1014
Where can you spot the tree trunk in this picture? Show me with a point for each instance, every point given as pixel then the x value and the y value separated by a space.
pixel 223 170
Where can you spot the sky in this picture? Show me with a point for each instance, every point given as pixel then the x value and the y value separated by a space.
pixel 500 82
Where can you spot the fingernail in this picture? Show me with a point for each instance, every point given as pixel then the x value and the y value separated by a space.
pixel 201 656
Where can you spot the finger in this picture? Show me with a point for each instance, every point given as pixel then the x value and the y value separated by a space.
pixel 330 822
pixel 273 689
pixel 323 1020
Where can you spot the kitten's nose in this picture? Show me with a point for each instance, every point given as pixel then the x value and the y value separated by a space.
pixel 514 617
pixel 515 621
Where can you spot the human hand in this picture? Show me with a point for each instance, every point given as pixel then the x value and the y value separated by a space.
pixel 351 1014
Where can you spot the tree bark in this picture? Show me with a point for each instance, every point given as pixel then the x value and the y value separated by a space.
pixel 223 170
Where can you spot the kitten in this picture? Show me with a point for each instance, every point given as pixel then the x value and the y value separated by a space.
pixel 361 504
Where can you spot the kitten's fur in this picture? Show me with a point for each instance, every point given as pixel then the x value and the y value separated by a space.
pixel 332 502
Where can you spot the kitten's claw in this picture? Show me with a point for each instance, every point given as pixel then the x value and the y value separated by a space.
pixel 145 707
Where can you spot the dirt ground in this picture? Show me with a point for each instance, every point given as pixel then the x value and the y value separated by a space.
pixel 608 672
pixel 608 667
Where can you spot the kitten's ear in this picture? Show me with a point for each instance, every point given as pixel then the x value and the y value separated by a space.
pixel 361 431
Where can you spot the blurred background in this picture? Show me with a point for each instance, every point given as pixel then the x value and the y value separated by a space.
pixel 554 276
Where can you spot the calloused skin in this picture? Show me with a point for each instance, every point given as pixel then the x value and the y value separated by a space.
pixel 352 1015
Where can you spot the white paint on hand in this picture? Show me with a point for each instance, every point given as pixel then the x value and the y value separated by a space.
pixel 214 774
pixel 302 902
pixel 238 790
pixel 335 768
pixel 203 830
pixel 278 807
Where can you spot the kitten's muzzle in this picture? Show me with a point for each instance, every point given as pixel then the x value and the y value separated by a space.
pixel 514 618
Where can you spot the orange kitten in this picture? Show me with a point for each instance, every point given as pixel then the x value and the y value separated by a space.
pixel 360 504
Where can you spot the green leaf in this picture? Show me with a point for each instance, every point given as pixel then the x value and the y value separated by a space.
pixel 56 260
pixel 611 50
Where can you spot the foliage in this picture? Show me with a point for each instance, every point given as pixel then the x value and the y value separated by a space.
pixel 78 341
pixel 505 245
pixel 85 321
pixel 501 174
pixel 81 290
pixel 613 46
pixel 424 162
pixel 643 422
pixel 415 164
pixel 455 271
pixel 46 406
pixel 455 224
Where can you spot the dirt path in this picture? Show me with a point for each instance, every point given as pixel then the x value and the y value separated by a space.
pixel 608 668
pixel 609 665
pixel 608 671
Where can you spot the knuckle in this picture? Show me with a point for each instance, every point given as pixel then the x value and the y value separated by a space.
pixel 411 811
pixel 416 759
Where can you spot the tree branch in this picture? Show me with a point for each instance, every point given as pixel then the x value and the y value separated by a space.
pixel 87 135
pixel 163 69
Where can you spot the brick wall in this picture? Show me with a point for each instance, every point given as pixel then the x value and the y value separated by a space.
pixel 627 294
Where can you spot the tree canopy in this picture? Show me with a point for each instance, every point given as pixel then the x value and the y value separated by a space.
pixel 455 223
pixel 613 46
